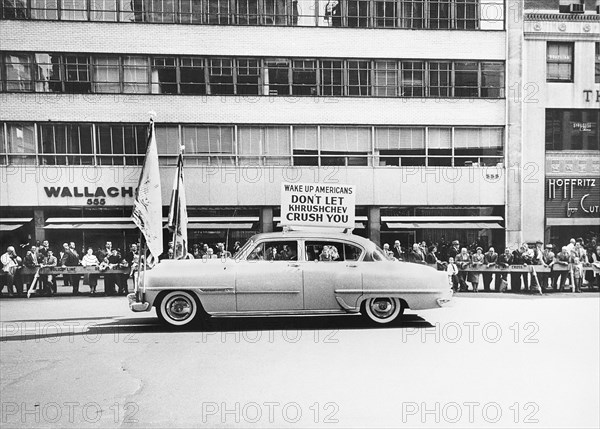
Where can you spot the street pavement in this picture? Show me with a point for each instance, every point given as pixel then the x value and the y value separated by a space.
pixel 490 360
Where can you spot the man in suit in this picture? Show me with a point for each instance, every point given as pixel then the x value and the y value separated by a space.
pixel 560 277
pixel 415 255
pixel 490 259
pixel 398 253
pixel 70 259
pixel 547 260
pixel 454 250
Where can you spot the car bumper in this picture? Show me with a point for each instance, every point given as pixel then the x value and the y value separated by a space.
pixel 446 301
pixel 136 306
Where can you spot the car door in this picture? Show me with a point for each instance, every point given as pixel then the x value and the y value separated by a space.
pixel 331 272
pixel 270 278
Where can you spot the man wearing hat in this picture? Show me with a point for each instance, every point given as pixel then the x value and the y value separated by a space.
pixel 547 261
pixel 454 250
pixel 490 258
pixel 537 260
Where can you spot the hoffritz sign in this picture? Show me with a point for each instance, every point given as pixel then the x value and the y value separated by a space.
pixel 93 195
pixel 572 197
pixel 316 204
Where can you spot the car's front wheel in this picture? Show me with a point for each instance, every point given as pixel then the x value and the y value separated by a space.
pixel 383 310
pixel 178 308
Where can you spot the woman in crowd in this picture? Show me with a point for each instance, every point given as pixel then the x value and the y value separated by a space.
pixel 476 261
pixel 90 260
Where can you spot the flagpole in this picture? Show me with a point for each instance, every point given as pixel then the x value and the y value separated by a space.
pixel 177 207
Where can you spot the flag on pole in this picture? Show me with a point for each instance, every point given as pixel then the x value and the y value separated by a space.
pixel 178 218
pixel 147 208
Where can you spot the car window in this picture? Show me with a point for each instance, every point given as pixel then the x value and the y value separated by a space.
pixel 331 251
pixel 280 250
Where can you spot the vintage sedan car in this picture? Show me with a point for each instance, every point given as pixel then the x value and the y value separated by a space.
pixel 292 273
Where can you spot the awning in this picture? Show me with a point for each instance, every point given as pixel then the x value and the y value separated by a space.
pixel 12 227
pixel 80 226
pixel 220 225
pixel 422 219
pixel 15 219
pixel 570 221
pixel 128 219
pixel 438 225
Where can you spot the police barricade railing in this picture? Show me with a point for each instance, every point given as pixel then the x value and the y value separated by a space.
pixel 527 268
pixel 73 270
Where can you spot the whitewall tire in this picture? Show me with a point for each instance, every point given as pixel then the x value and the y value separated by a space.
pixel 178 308
pixel 383 310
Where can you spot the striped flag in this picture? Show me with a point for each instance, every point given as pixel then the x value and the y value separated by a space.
pixel 147 208
pixel 178 218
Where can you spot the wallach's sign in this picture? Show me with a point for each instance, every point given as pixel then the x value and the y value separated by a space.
pixel 99 192
pixel 572 197
pixel 317 204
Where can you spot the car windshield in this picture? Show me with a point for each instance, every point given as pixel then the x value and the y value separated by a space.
pixel 243 249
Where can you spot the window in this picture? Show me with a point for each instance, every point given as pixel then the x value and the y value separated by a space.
pixel 439 13
pixel 304 77
pixel 359 77
pixel 248 77
pixel 281 250
pixel 161 10
pixel 439 147
pixel 44 9
pixel 413 14
pixel 219 12
pixel 413 84
pixel 385 13
pixel 345 145
pixel 249 145
pixel 106 75
pixel 118 144
pixel 572 129
pixel 220 76
pixel 264 145
pixel 18 72
pixel 213 144
pixel 332 78
pixel 103 10
pixel 65 144
pixel 439 79
pixel 491 14
pixel 305 145
pixel 48 76
pixel 492 80
pixel 477 146
pixel 400 146
pixel 190 11
pixel 135 75
pixel 331 251
pixel 465 79
pixel 247 12
pixel 466 14
pixel 597 64
pixel 304 12
pixel 14 9
pixel 559 62
pixel 74 10
pixel 191 72
pixel 386 78
pixel 20 144
pixel 3 159
pixel 164 75
pixel 77 74
pixel 277 77
pixel 276 12
pixel 168 141
pixel 358 13
pixel 132 10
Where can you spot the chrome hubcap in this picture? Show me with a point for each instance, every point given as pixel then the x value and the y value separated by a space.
pixel 179 308
pixel 382 307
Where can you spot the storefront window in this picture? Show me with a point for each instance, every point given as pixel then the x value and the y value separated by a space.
pixel 573 129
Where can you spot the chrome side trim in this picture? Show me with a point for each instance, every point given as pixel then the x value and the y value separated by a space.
pixel 388 291
pixel 345 306
pixel 217 290
pixel 280 313
pixel 263 292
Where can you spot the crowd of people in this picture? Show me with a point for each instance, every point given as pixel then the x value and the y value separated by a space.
pixel 21 282
pixel 456 260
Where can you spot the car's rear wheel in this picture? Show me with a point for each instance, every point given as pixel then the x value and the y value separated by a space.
pixel 177 308
pixel 383 310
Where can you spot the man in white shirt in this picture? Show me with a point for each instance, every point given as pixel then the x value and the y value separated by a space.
pixel 10 262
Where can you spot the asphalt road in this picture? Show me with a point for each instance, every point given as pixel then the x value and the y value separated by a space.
pixel 488 361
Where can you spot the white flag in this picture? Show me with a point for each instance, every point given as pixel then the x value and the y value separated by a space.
pixel 147 208
pixel 178 219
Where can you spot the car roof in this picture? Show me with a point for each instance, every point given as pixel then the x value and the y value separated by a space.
pixel 315 235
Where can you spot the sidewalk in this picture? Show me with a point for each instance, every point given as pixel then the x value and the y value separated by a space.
pixel 64 291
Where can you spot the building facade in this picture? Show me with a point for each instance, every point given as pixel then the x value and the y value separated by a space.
pixel 562 114
pixel 391 96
